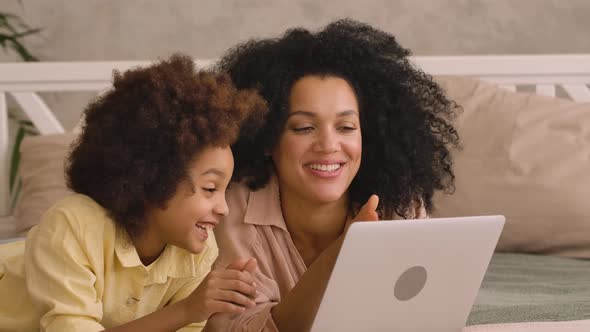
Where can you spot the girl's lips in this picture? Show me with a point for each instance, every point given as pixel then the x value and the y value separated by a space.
pixel 203 233
pixel 203 228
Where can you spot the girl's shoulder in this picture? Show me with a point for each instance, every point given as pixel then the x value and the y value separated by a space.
pixel 77 215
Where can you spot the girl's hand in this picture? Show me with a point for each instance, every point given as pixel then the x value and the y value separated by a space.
pixel 229 290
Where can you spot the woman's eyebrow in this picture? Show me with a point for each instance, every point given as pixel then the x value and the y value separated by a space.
pixel 313 115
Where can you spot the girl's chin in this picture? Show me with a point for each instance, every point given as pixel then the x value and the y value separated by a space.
pixel 196 248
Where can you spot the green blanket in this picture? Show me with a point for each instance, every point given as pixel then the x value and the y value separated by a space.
pixel 530 288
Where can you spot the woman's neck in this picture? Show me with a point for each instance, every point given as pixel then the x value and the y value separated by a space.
pixel 314 226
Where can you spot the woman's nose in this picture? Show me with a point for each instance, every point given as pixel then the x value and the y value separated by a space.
pixel 327 142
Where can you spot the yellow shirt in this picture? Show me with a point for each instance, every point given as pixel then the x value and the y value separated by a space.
pixel 80 272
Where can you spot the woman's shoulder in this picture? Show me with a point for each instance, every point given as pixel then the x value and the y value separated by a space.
pixel 237 197
pixel 234 236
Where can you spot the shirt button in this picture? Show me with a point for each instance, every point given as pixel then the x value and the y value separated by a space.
pixel 131 300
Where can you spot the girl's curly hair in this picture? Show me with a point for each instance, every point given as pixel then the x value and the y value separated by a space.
pixel 140 137
pixel 405 115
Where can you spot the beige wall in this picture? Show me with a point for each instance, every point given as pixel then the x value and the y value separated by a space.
pixel 146 29
pixel 142 29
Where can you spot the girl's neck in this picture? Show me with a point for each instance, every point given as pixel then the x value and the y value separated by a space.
pixel 313 226
pixel 148 245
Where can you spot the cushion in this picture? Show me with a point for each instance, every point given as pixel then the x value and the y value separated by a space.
pixel 524 156
pixel 42 173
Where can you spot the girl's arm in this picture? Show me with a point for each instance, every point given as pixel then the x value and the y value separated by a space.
pixel 229 291
pixel 61 277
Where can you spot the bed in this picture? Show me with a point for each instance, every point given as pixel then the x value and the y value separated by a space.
pixel 525 129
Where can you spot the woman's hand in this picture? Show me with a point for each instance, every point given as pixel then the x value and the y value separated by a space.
pixel 230 290
pixel 368 212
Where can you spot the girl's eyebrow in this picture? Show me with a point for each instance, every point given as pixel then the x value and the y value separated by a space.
pixel 213 171
pixel 313 115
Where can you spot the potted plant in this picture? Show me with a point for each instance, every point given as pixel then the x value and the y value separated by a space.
pixel 12 30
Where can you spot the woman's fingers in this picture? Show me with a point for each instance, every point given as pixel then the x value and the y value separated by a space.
pixel 368 211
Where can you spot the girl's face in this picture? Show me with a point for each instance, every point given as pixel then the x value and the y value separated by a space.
pixel 195 209
pixel 319 151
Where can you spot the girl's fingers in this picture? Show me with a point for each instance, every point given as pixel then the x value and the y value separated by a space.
pixel 229 274
pixel 234 298
pixel 237 286
pixel 223 306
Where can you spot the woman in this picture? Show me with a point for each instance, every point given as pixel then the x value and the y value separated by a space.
pixel 132 249
pixel 351 124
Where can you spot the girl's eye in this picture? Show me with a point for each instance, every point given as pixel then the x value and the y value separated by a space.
pixel 210 190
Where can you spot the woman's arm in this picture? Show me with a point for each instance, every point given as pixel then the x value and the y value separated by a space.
pixel 298 308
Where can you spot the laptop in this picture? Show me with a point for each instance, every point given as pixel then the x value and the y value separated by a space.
pixel 408 275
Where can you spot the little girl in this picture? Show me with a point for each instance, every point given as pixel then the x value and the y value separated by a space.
pixel 132 249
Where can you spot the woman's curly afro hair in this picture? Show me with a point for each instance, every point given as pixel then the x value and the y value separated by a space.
pixel 140 137
pixel 405 116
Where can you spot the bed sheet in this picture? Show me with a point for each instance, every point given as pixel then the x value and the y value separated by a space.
pixel 533 293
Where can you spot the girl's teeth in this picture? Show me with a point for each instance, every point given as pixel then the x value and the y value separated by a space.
pixel 324 168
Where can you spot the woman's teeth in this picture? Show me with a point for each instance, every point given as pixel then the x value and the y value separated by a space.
pixel 324 168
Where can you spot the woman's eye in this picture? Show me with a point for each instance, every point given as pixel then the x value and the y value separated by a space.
pixel 347 128
pixel 302 130
pixel 210 190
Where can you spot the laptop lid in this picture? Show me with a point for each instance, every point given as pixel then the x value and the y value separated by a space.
pixel 408 275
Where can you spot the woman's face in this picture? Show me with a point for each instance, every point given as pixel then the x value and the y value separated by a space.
pixel 319 151
pixel 193 211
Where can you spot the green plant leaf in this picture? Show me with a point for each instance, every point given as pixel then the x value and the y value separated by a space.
pixel 15 156
pixel 13 28
pixel 15 195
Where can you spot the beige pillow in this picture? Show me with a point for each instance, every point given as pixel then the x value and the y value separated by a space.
pixel 42 173
pixel 526 157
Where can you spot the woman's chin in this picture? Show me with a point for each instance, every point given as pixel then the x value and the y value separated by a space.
pixel 327 196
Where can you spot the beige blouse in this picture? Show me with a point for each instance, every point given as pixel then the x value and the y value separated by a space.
pixel 255 228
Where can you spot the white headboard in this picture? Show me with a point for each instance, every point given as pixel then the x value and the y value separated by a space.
pixel 23 80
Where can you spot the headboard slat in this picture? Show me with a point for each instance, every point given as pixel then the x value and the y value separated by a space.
pixel 546 90
pixel 509 87
pixel 577 92
pixel 4 157
pixel 24 80
pixel 38 112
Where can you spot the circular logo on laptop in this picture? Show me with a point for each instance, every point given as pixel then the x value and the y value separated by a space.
pixel 410 283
